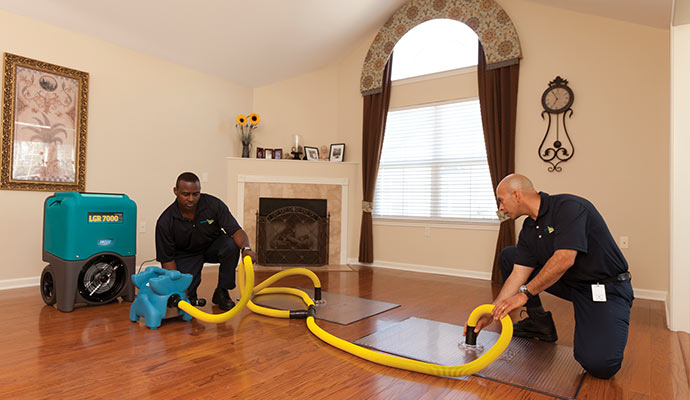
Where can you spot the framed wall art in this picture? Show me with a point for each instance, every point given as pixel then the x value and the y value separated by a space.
pixel 44 119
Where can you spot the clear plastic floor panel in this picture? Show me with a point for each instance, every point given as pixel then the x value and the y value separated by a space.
pixel 339 308
pixel 545 368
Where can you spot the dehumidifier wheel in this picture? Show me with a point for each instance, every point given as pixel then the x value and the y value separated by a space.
pixel 102 279
pixel 48 286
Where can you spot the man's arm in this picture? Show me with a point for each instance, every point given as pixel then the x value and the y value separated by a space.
pixel 553 270
pixel 171 265
pixel 242 240
pixel 516 278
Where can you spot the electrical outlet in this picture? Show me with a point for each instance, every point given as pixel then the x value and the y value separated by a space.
pixel 427 231
pixel 142 226
pixel 623 242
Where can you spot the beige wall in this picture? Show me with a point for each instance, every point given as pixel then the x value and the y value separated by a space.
pixel 619 73
pixel 620 76
pixel 148 121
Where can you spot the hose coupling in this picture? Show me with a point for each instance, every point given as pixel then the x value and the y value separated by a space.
pixel 471 337
pixel 173 301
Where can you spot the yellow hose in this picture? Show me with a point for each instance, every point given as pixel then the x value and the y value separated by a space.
pixel 247 289
pixel 218 318
pixel 423 367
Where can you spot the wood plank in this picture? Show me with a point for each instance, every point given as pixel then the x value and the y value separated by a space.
pixel 95 352
pixel 684 340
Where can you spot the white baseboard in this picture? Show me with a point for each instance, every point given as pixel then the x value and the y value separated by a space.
pixel 19 283
pixel 7 284
pixel 648 294
pixel 463 273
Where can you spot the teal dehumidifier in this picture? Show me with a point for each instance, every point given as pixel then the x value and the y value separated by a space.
pixel 89 241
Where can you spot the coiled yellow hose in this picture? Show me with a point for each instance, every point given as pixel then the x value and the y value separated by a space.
pixel 247 289
pixel 218 318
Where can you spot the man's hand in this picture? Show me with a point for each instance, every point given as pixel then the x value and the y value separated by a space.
pixel 251 254
pixel 506 306
pixel 483 321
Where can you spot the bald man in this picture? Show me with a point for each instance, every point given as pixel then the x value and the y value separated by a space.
pixel 566 249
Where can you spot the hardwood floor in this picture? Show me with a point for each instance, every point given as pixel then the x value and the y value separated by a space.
pixel 96 353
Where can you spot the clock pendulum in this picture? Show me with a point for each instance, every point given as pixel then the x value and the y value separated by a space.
pixel 557 100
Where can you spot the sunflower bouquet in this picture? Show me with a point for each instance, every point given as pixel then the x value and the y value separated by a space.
pixel 246 125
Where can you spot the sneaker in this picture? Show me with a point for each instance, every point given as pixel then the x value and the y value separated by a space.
pixel 536 325
pixel 222 299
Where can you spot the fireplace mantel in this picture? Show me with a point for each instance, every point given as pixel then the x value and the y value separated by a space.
pixel 251 178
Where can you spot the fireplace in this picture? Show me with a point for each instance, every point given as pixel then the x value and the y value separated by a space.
pixel 292 231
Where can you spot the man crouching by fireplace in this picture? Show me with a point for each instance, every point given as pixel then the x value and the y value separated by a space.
pixel 198 228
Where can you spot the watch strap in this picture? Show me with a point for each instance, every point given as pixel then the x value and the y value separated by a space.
pixel 523 289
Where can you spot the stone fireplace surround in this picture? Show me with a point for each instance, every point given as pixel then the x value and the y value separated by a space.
pixel 251 188
pixel 251 178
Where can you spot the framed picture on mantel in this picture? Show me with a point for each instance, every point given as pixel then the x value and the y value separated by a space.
pixel 337 152
pixel 312 153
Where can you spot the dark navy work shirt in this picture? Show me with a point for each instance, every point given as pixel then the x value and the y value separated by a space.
pixel 570 222
pixel 179 236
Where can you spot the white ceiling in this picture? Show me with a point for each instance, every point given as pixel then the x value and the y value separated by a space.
pixel 257 42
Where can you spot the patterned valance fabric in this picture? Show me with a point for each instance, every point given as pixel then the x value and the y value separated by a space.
pixel 491 23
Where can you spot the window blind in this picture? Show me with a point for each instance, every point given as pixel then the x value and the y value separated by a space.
pixel 433 164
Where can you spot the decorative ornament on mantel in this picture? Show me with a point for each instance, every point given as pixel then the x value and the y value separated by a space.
pixel 245 128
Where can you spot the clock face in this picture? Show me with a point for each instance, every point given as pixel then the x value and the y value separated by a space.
pixel 557 99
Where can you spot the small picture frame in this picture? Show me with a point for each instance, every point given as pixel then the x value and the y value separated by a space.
pixel 337 153
pixel 278 154
pixel 259 152
pixel 312 153
pixel 268 153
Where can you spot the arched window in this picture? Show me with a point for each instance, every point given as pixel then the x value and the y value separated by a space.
pixel 433 163
pixel 434 46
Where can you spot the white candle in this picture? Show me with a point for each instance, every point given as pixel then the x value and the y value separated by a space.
pixel 296 142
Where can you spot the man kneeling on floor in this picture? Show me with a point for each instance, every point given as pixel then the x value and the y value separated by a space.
pixel 566 249
pixel 198 228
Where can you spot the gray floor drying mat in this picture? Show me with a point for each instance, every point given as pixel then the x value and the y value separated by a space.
pixel 339 308
pixel 545 368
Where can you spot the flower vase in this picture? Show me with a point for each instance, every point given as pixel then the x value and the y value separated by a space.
pixel 245 150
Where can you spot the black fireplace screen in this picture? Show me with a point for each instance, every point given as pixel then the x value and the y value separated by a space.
pixel 292 234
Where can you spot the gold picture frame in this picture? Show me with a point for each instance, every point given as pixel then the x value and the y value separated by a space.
pixel 44 121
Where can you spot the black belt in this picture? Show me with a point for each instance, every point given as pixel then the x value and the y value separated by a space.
pixel 625 276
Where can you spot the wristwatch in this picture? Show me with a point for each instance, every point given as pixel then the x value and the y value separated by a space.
pixel 244 249
pixel 523 289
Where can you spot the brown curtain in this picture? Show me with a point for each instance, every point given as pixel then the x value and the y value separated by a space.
pixel 374 123
pixel 498 100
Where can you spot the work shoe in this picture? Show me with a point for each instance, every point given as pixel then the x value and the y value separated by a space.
pixel 222 299
pixel 197 302
pixel 538 325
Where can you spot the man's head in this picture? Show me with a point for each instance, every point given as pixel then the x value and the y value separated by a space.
pixel 515 194
pixel 187 190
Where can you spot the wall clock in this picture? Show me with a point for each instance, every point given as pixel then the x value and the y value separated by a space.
pixel 556 147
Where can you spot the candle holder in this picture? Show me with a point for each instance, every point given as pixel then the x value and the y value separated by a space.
pixel 296 155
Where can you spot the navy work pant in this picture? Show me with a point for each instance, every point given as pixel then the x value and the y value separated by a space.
pixel 601 328
pixel 224 251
